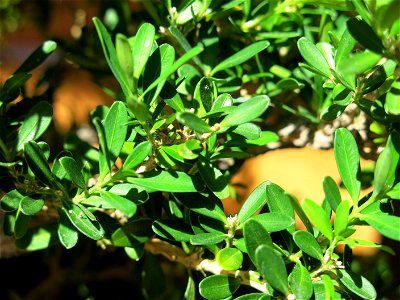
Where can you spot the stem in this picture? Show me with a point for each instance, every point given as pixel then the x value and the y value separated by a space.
pixel 195 262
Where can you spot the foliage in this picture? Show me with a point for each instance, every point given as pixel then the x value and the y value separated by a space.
pixel 159 184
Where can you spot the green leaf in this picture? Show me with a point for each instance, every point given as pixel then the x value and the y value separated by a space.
pixel 241 56
pixel 142 48
pixel 126 206
pixel 67 233
pixel 346 45
pixel 308 244
pixel 352 243
pixel 11 88
pixel 30 206
pixel 229 258
pixel 205 205
pixel 82 222
pixel 332 192
pixel 171 69
pixel 173 230
pixel 253 203
pixel 278 201
pixel 38 238
pixel 274 221
pixel 348 162
pixel 313 56
pixel 254 296
pixel 213 178
pixel 35 124
pixel 392 102
pixel 137 156
pixel 386 224
pixel 37 57
pixel 332 112
pixel 365 35
pixel 300 212
pixel 115 129
pixel 21 224
pixel 272 268
pixel 216 287
pixel 394 193
pixel 249 130
pixel 169 181
pixel 73 171
pixel 300 282
pixel 204 94
pixel 255 235
pixel 341 217
pixel 38 163
pixel 357 284
pixel 208 238
pixel 318 217
pixel 289 84
pixel 193 122
pixel 386 165
pixel 190 149
pixel 133 233
pixel 247 111
pixel 135 252
pixel 11 200
pixel 111 57
pixel 124 55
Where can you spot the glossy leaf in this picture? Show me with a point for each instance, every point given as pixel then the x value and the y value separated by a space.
pixel 255 235
pixel 38 56
pixel 67 233
pixel 168 181
pixel 308 244
pixel 115 129
pixel 229 258
pixel 313 56
pixel 133 233
pixel 208 238
pixel 204 94
pixel 253 203
pixel 126 206
pixel 332 192
pixel 38 163
pixel 272 268
pixel 35 124
pixel 111 57
pixel 249 130
pixel 318 217
pixel 274 221
pixel 38 238
pixel 341 217
pixel 142 48
pixel 352 243
pixel 392 103
pixel 206 205
pixel 217 287
pixel 241 56
pixel 346 45
pixel 11 200
pixel 193 122
pixel 348 162
pixel 11 88
pixel 173 230
pixel 357 284
pixel 137 156
pixel 364 34
pixel 82 222
pixel 21 224
pixel 246 111
pixel 386 224
pixel 300 282
pixel 386 165
pixel 300 212
pixel 73 171
pixel 30 206
pixel 278 201
pixel 124 55
pixel 190 291
pixel 135 252
pixel 213 178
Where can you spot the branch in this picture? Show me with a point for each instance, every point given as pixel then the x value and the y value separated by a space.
pixel 195 262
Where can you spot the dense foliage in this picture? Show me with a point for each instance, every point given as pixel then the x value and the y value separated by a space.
pixel 157 179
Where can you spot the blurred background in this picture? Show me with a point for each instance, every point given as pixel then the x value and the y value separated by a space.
pixel 76 79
